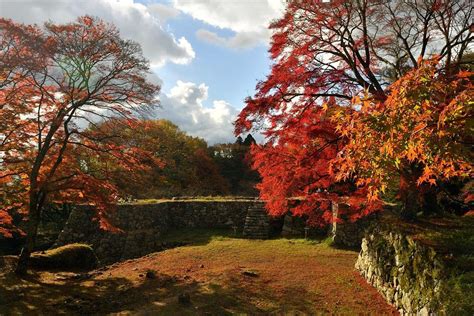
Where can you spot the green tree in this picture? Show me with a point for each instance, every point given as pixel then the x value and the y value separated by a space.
pixel 186 167
pixel 233 160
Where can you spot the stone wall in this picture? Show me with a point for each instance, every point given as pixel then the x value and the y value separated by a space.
pixel 50 225
pixel 257 223
pixel 297 227
pixel 408 273
pixel 142 226
pixel 346 233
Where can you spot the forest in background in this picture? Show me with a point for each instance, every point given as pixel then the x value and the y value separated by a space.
pixel 187 166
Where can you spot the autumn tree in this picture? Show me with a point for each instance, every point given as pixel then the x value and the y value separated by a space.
pixel 55 80
pixel 186 167
pixel 419 137
pixel 325 54
pixel 17 51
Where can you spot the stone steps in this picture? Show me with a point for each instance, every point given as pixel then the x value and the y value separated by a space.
pixel 257 224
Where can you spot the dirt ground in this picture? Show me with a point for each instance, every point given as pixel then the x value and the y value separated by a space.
pixel 215 276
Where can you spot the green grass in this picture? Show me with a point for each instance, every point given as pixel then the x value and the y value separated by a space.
pixel 201 236
pixel 197 236
pixel 289 276
pixel 193 199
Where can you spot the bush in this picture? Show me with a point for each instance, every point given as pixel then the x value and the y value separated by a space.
pixel 73 256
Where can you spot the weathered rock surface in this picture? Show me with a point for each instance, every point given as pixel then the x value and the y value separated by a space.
pixel 408 273
pixel 73 256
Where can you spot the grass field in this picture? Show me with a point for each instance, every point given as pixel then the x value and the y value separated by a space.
pixel 222 276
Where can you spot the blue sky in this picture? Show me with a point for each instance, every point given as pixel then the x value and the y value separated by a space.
pixel 207 54
pixel 231 74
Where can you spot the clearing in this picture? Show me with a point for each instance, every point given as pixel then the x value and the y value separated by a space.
pixel 222 275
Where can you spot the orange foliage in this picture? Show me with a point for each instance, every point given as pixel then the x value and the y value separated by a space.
pixel 326 138
pixel 424 124
pixel 54 81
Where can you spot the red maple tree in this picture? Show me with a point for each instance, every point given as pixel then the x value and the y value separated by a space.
pixel 54 81
pixel 327 53
pixel 414 141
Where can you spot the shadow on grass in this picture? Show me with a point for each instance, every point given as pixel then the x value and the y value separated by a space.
pixel 33 295
pixel 197 236
pixel 202 237
pixel 63 294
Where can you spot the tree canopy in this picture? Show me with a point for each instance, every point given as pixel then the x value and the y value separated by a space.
pixel 334 67
pixel 234 164
pixel 53 79
pixel 185 166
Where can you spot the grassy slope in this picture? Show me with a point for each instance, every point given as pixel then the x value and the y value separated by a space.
pixel 294 276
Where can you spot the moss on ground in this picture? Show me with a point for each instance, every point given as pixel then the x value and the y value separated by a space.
pixel 72 256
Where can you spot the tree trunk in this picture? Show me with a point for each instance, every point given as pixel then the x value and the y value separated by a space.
pixel 410 195
pixel 417 198
pixel 410 205
pixel 31 233
pixel 431 203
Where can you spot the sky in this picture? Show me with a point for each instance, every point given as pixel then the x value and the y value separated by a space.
pixel 208 55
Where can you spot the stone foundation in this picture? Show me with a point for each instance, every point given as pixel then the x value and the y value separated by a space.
pixel 257 223
pixel 296 227
pixel 409 274
pixel 346 233
pixel 142 226
pixel 293 226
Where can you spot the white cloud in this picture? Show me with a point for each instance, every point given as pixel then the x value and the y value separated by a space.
pixel 183 105
pixel 134 20
pixel 241 40
pixel 163 12
pixel 248 19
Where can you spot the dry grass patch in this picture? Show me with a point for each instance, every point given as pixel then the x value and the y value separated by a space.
pixel 288 277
